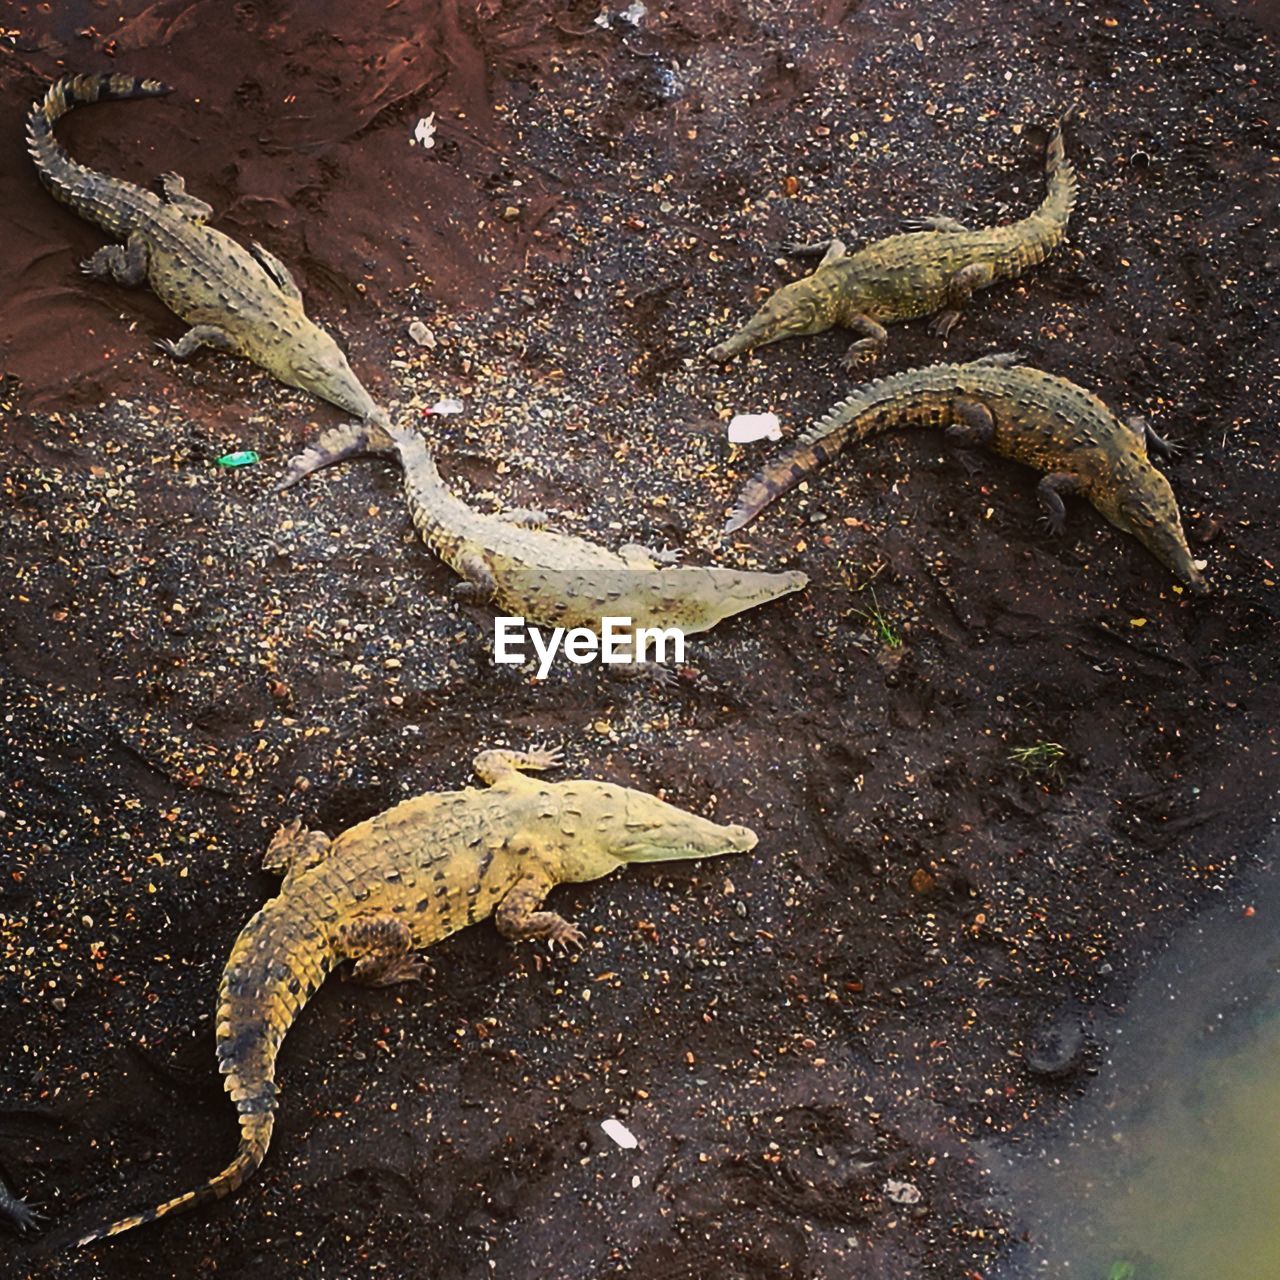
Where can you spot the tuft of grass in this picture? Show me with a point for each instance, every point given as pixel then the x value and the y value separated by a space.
pixel 1039 758
pixel 882 625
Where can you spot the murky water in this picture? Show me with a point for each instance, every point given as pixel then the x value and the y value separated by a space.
pixel 1171 1168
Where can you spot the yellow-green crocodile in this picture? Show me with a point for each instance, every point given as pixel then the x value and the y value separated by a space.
pixel 406 879
pixel 1028 415
pixel 551 579
pixel 932 269
pixel 238 300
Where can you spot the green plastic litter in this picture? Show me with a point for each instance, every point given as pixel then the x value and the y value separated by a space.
pixel 245 458
pixel 1122 1271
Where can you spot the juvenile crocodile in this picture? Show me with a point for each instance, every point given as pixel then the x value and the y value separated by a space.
pixel 549 578
pixel 933 268
pixel 238 300
pixel 404 880
pixel 1025 414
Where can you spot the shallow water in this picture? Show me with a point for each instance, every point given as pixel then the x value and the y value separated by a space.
pixel 1171 1167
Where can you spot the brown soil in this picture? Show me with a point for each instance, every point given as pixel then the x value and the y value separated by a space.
pixel 186 661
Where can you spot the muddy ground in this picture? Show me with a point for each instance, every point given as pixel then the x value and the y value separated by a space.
pixel 186 661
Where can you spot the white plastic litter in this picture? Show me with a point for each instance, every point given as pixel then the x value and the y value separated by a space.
pixel 902 1192
pixel 446 408
pixel 422 335
pixel 634 13
pixel 620 1134
pixel 747 427
pixel 424 132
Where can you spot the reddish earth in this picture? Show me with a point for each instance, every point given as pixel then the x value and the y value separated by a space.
pixel 186 661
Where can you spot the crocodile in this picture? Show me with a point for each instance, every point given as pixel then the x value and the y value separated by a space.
pixel 551 579
pixel 403 880
pixel 238 300
pixel 1022 413
pixel 933 268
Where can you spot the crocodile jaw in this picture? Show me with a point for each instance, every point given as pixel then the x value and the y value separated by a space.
pixel 316 364
pixel 804 306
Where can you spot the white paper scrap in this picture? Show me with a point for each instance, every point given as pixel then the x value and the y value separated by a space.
pixel 748 427
pixel 620 1133
pixel 424 132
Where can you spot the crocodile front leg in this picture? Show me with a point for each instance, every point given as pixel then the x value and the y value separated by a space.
pixel 174 188
pixel 977 275
pixel 125 264
pixel 933 222
pixel 1153 443
pixel 200 335
pixel 518 917
pixel 490 766
pixel 382 948
pixel 867 348
pixel 831 250
pixel 1050 491
pixel 638 556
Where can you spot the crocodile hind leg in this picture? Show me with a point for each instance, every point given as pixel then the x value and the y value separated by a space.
pixel 974 424
pixel 478 586
pixel 1153 443
pixel 200 335
pixel 382 948
pixel 527 517
pixel 174 187
pixel 490 766
pixel 867 348
pixel 1050 491
pixel 124 264
pixel 294 848
pixel 933 222
pixel 518 917
pixel 977 275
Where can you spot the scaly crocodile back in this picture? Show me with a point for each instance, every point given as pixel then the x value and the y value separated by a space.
pixel 109 202
pixel 280 958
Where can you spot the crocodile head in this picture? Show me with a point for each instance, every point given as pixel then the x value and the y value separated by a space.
pixel 804 306
pixel 1149 512
pixel 616 826
pixel 316 363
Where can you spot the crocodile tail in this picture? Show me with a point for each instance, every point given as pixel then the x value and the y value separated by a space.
pixel 921 395
pixel 254 1139
pixel 441 517
pixel 87 192
pixel 1060 195
pixel 336 445
pixel 280 958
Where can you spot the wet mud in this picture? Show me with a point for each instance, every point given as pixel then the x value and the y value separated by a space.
pixel 186 660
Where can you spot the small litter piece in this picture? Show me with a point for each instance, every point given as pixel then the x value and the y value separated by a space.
pixel 444 408
pixel 902 1192
pixel 634 14
pixel 424 132
pixel 748 427
pixel 422 335
pixel 620 1134
pixel 242 458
